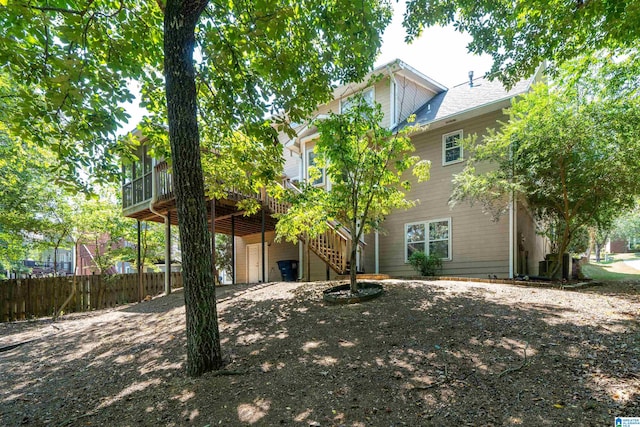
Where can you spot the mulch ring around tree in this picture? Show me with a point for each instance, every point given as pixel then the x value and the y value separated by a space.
pixel 342 294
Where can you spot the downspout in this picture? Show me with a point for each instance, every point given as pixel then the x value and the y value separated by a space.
pixel 167 242
pixel 302 177
pixel 511 237
pixel 300 258
pixel 74 255
pixel 377 252
pixel 233 250
pixel 512 219
pixel 393 86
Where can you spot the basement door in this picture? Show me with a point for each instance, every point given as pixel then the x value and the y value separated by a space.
pixel 254 263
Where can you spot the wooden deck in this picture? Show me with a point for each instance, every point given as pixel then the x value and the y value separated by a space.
pixel 227 216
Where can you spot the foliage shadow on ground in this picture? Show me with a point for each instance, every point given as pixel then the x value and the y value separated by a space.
pixel 422 354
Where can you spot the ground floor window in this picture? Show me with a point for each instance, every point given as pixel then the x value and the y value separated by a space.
pixel 430 237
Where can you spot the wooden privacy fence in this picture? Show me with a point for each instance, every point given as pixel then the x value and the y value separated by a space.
pixel 29 298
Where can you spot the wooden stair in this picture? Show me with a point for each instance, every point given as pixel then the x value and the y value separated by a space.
pixel 332 246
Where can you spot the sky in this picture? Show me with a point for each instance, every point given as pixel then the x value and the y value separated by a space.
pixel 440 53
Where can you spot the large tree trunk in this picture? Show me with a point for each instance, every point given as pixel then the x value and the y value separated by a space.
pixel 562 247
pixel 203 340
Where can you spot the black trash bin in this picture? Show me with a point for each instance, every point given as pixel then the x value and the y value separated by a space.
pixel 289 270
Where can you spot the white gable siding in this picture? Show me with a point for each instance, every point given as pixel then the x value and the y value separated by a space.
pixel 409 97
pixel 292 163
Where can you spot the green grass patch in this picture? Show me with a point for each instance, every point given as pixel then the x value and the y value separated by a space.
pixel 604 272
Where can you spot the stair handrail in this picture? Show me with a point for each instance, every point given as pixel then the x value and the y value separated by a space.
pixel 340 229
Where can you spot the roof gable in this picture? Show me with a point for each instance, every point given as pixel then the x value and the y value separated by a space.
pixel 397 67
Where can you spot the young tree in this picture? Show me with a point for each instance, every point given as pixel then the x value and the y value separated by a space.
pixel 55 225
pixel 598 238
pixel 520 35
pixel 365 163
pixel 152 242
pixel 257 58
pixel 224 255
pixel 571 153
pixel 26 172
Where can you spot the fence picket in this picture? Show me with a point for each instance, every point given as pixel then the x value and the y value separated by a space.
pixel 3 299
pixel 37 297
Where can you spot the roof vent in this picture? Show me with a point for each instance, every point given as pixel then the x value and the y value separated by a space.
pixel 471 78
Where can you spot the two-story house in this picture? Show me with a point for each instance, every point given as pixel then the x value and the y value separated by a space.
pixel 473 245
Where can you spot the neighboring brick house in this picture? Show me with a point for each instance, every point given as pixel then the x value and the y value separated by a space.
pixel 86 253
pixel 473 244
pixel 619 246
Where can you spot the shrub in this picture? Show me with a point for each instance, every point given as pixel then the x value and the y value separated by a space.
pixel 426 265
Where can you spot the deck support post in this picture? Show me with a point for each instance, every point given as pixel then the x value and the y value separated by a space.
pixel 213 240
pixel 308 259
pixel 139 256
pixel 262 225
pixel 233 250
pixel 167 254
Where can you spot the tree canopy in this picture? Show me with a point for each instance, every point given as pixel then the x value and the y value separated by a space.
pixel 27 196
pixel 520 35
pixel 65 66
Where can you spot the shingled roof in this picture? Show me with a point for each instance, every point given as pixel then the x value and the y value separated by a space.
pixel 465 97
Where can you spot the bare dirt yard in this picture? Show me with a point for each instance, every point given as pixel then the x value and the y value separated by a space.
pixel 424 353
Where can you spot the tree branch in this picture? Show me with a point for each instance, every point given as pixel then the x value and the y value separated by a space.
pixel 56 9
pixel 161 5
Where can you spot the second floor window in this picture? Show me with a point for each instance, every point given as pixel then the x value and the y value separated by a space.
pixel 311 163
pixel 368 95
pixel 452 147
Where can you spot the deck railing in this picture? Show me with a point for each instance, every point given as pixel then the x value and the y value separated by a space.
pixel 164 182
pixel 165 190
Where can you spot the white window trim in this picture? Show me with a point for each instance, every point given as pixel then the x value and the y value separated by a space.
pixel 444 148
pixel 323 181
pixel 426 241
pixel 370 88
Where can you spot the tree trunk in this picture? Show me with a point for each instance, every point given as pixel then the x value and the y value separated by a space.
pixel 203 339
pixel 55 260
pixel 353 270
pixel 562 247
